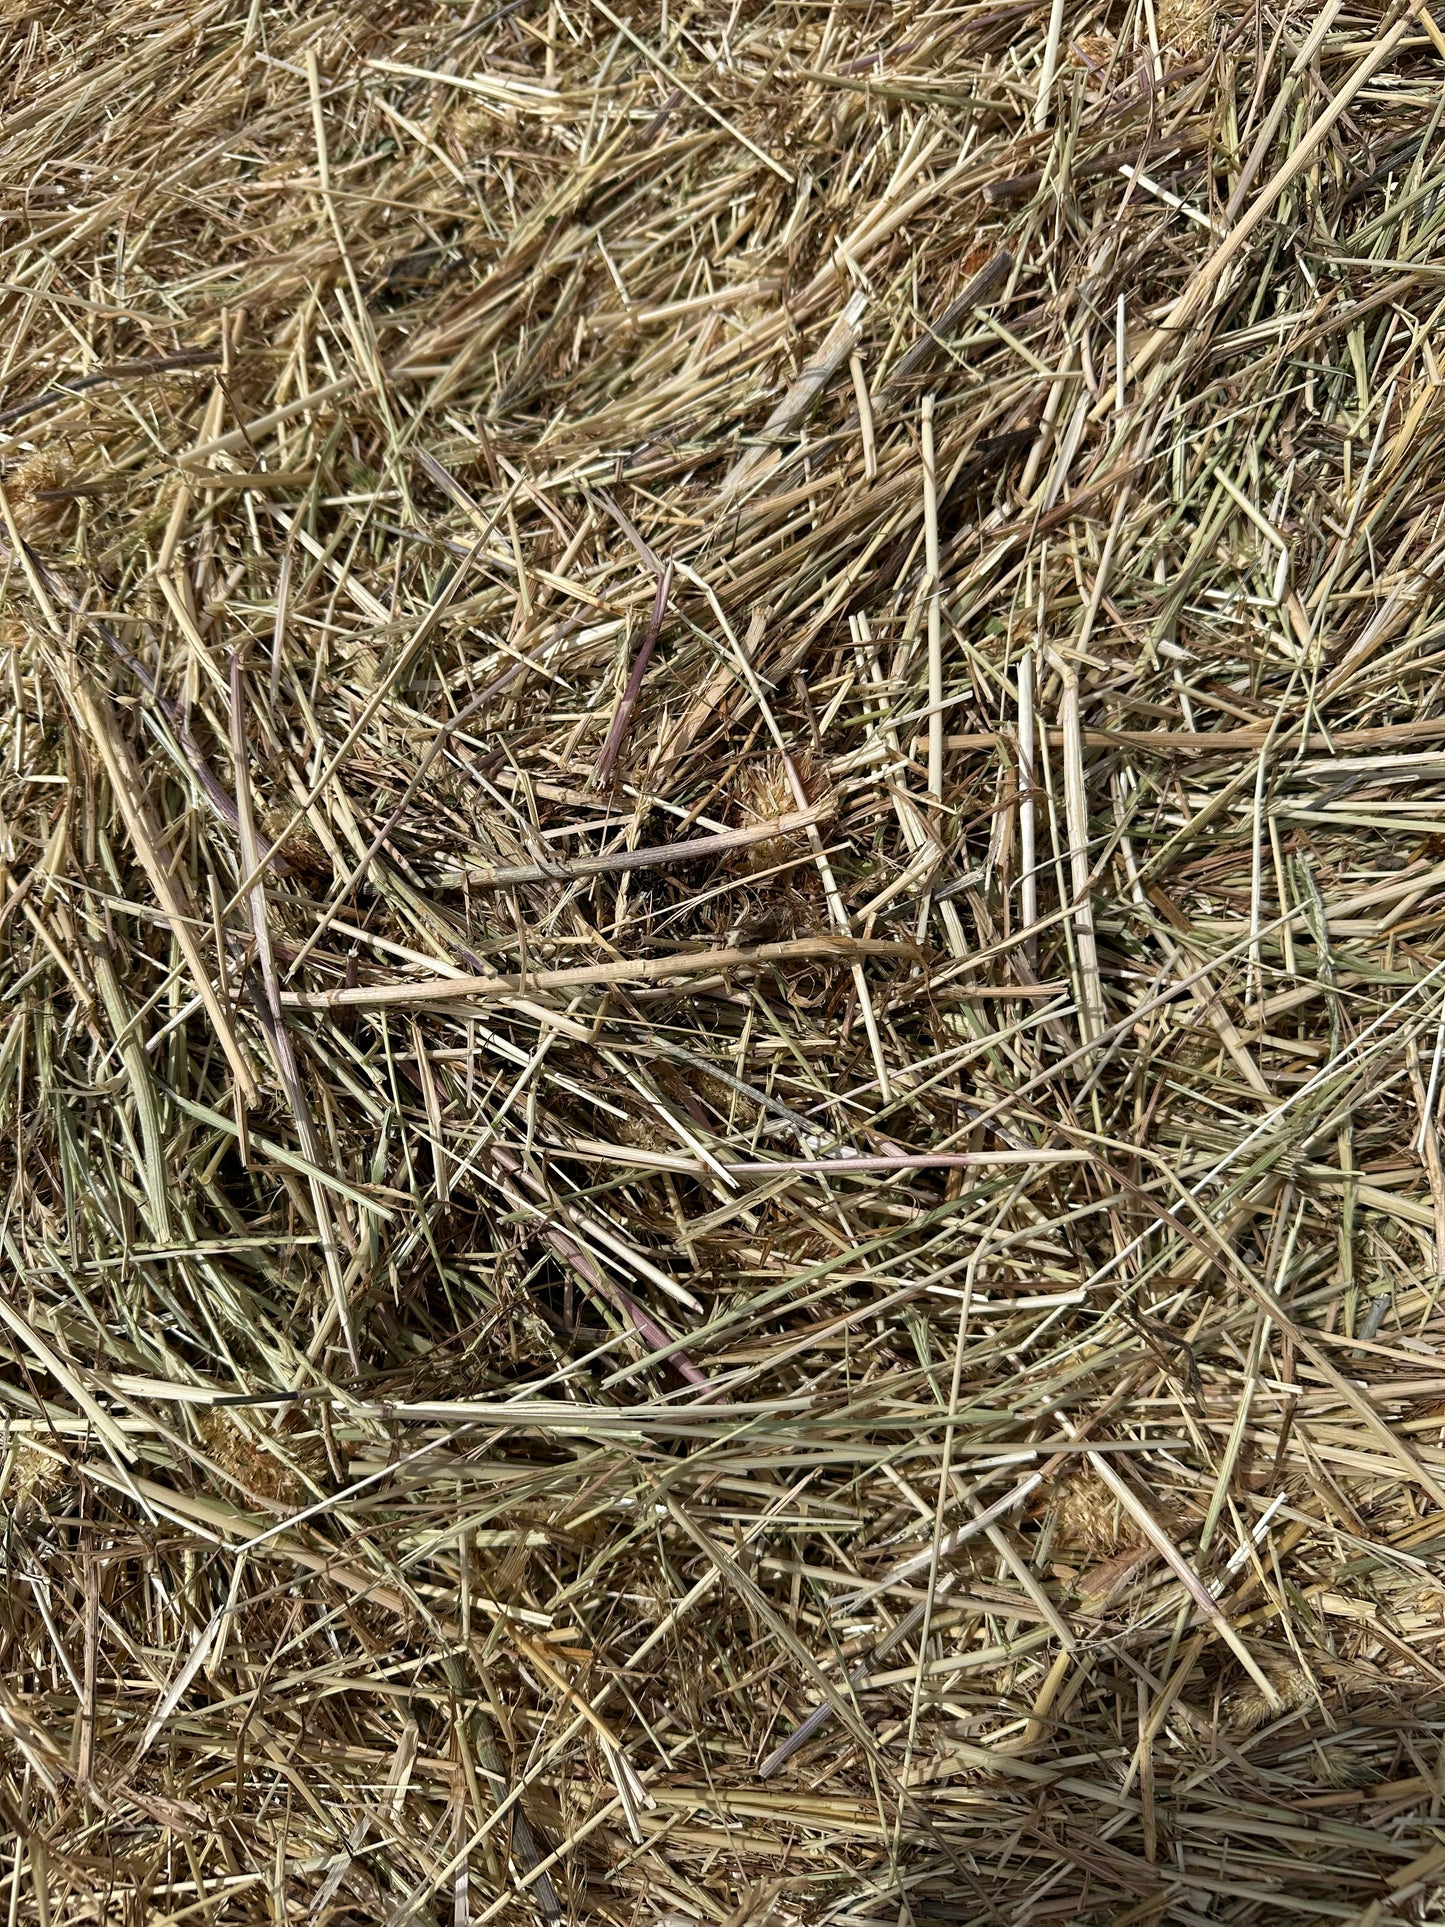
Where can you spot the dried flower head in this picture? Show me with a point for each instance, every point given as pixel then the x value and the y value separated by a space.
pixel 1187 25
pixel 35 488
pixel 764 791
pixel 261 1463
pixel 1088 1520
pixel 1249 1708
pixel 35 1474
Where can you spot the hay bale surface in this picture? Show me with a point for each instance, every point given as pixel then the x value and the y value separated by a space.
pixel 722 963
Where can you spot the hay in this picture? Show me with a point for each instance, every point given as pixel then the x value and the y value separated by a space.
pixel 723 925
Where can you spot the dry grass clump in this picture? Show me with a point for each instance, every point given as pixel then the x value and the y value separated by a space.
pixel 722 964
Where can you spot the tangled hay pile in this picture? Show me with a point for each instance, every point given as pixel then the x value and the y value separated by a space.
pixel 722 963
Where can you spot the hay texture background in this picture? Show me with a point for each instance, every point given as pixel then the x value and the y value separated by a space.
pixel 722 963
